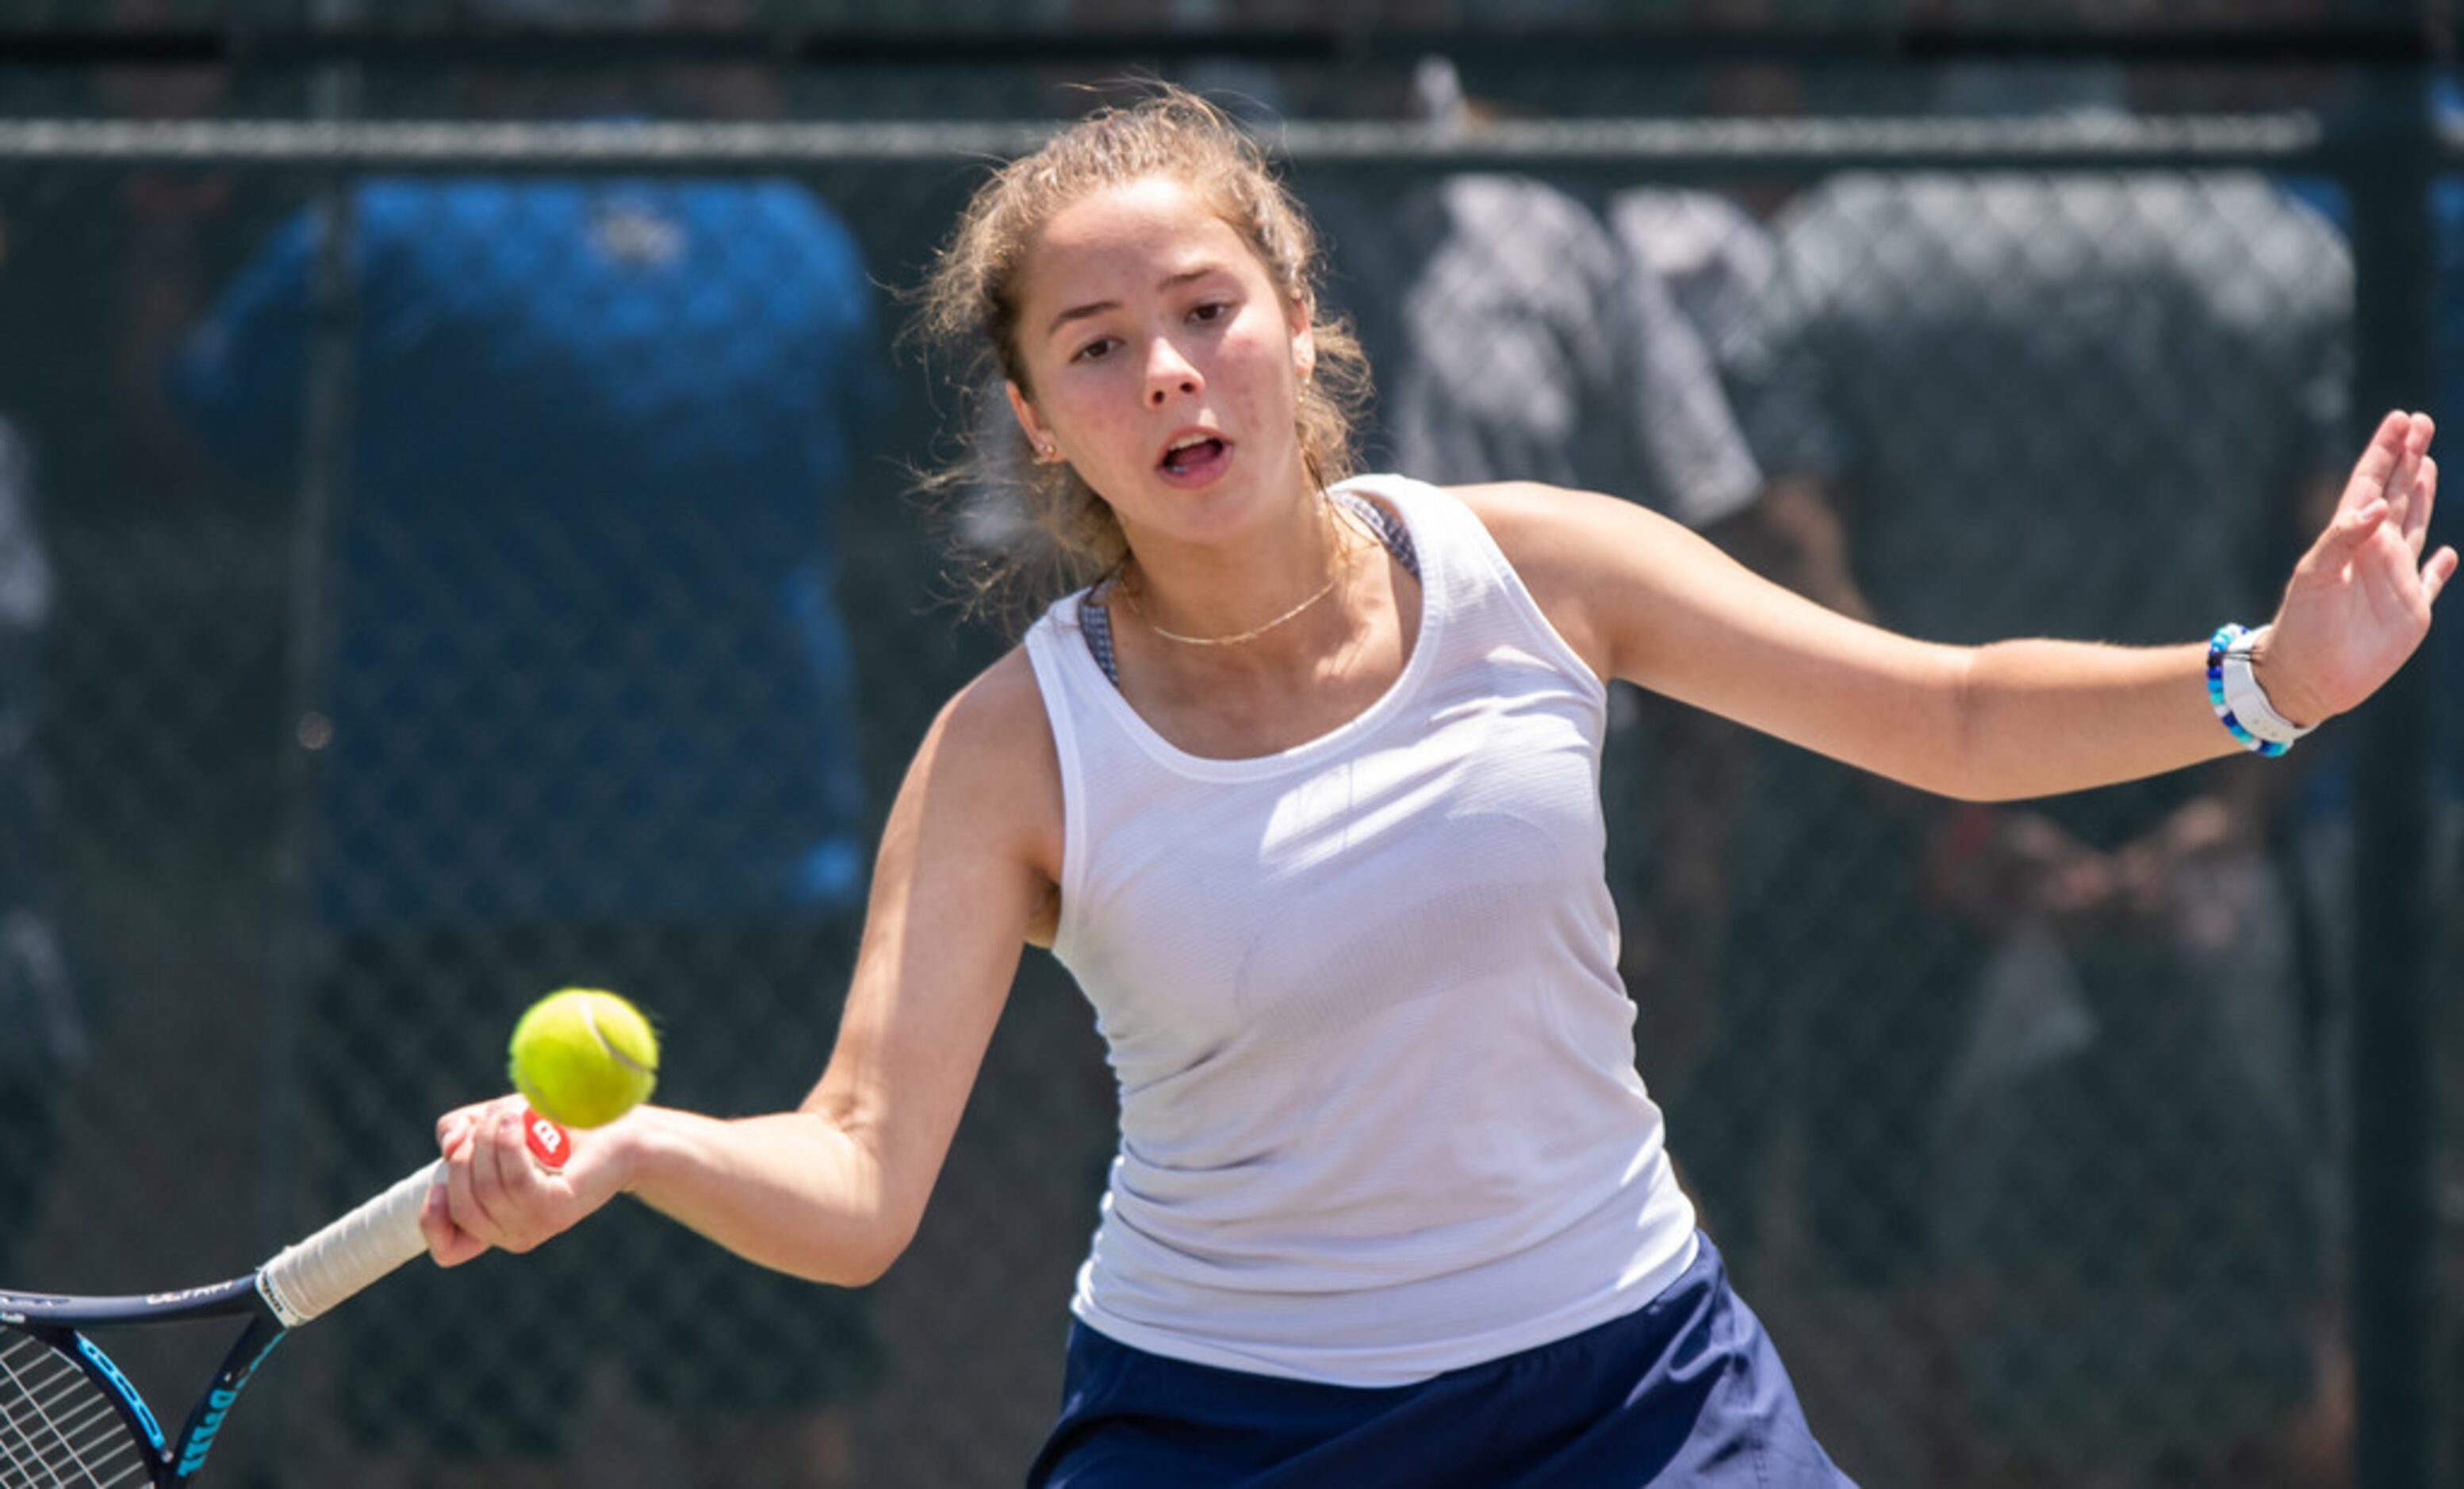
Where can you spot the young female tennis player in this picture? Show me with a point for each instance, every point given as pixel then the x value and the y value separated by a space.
pixel 1302 788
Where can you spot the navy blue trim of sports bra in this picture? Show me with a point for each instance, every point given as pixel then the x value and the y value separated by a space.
pixel 1095 619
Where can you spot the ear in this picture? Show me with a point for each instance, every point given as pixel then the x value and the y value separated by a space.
pixel 1022 408
pixel 1304 343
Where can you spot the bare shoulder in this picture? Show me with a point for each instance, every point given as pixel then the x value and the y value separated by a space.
pixel 1509 506
pixel 1575 551
pixel 1539 524
pixel 1003 700
pixel 996 725
pixel 986 790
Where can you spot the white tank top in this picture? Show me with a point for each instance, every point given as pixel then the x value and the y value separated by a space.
pixel 1380 1113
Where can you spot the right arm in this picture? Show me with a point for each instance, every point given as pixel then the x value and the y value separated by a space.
pixel 834 1189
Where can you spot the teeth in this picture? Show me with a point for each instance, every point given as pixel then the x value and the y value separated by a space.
pixel 1189 441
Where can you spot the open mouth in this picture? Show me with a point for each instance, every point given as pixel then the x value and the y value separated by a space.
pixel 1194 455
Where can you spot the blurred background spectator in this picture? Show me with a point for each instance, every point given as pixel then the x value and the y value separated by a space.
pixel 2054 1103
pixel 42 1030
pixel 1519 334
pixel 592 720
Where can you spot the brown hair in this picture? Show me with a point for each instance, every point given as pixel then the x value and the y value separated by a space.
pixel 1033 531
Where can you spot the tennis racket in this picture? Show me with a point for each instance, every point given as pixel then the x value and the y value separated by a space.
pixel 69 1419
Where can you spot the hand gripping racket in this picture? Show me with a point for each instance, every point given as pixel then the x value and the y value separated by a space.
pixel 69 1419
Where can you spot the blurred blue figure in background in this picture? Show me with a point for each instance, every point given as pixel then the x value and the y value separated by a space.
pixel 591 720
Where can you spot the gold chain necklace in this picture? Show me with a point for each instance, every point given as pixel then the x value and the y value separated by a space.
pixel 1251 634
pixel 1342 561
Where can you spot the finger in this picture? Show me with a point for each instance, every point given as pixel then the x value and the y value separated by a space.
pixel 468 1118
pixel 435 1213
pixel 449 1245
pixel 510 1183
pixel 2346 534
pixel 2403 487
pixel 2413 449
pixel 2435 573
pixel 2416 512
pixel 494 1176
pixel 460 1136
pixel 461 1248
pixel 2378 461
pixel 461 1200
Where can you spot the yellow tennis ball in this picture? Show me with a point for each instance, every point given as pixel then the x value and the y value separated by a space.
pixel 583 1058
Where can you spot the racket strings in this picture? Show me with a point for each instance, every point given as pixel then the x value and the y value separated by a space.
pixel 58 1430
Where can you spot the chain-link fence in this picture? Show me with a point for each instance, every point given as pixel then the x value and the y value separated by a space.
pixel 438 563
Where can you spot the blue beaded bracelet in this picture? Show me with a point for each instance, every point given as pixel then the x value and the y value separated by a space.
pixel 2217 646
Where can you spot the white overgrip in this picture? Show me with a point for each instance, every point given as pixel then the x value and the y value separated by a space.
pixel 311 1275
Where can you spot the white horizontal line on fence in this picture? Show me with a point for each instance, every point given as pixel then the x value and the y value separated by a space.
pixel 2117 139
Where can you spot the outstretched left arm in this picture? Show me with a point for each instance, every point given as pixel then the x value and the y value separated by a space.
pixel 1642 599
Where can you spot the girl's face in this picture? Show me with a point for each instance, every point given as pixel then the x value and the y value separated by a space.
pixel 1165 365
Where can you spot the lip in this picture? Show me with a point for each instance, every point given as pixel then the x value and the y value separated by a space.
pixel 1202 471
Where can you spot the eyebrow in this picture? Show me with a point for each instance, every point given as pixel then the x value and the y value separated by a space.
pixel 1099 307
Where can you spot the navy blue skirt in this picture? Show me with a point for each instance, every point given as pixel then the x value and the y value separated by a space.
pixel 1686 1391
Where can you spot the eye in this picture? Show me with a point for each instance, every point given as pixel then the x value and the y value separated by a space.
pixel 1210 311
pixel 1095 350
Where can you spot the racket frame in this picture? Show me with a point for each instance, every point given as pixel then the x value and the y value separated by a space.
pixel 299 1283
pixel 62 1320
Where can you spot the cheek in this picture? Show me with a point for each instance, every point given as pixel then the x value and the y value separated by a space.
pixel 1091 418
pixel 1270 379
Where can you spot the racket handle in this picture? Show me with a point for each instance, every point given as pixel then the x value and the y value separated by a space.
pixel 311 1275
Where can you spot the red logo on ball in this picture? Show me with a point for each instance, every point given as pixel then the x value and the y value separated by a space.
pixel 548 1142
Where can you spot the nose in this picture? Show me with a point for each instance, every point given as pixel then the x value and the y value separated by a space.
pixel 1169 372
